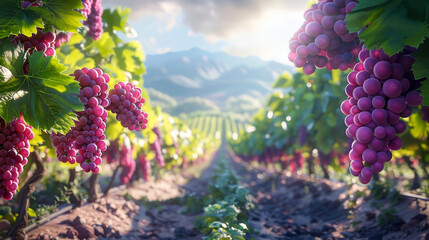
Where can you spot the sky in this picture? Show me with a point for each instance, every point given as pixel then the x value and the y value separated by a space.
pixel 239 27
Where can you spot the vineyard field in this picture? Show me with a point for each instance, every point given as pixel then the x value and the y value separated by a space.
pixel 217 125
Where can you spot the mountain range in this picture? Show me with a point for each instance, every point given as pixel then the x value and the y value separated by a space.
pixel 216 76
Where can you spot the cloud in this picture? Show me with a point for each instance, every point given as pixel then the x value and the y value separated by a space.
pixel 248 27
pixel 215 19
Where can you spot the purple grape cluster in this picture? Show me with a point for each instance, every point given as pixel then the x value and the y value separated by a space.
pixel 91 124
pixel 40 41
pixel 128 164
pixel 156 146
pixel 126 102
pixel 94 20
pixel 323 40
pixel 85 142
pixel 145 167
pixel 381 90
pixel 64 147
pixel 87 6
pixel 14 150
pixel 62 38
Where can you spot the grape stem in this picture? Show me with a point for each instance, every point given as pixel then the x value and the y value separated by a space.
pixel 17 230
pixel 93 188
pixel 416 182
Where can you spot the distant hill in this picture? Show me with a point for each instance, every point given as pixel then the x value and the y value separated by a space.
pixel 216 76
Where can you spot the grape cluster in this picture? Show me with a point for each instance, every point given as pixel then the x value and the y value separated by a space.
pixel 94 21
pixel 64 147
pixel 323 40
pixel 14 150
pixel 144 167
pixel 126 102
pixel 111 153
pixel 40 41
pixel 62 38
pixel 128 164
pixel 31 3
pixel 156 146
pixel 85 142
pixel 91 124
pixel 381 90
pixel 87 5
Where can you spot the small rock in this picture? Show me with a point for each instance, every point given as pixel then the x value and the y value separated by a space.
pixel 369 215
pixel 77 221
pixel 314 220
pixel 85 231
pixel 397 223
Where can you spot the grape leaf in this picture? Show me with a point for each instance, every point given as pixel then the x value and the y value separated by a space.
pixel 14 19
pixel 116 19
pixel 421 70
pixel 45 97
pixel 390 24
pixel 62 14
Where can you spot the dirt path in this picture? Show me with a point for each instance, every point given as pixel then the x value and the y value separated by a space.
pixel 288 207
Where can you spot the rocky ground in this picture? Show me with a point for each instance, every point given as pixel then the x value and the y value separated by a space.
pixel 288 207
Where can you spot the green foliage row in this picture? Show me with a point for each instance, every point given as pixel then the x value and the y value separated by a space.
pixel 224 217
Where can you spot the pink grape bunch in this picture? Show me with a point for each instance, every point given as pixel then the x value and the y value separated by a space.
pixel 40 41
pixel 145 167
pixel 156 146
pixel 91 122
pixel 14 150
pixel 62 38
pixel 94 20
pixel 127 163
pixel 87 5
pixel 323 40
pixel 381 91
pixel 64 147
pixel 126 103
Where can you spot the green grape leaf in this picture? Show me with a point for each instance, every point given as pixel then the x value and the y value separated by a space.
pixel 418 127
pixel 45 97
pixel 116 19
pixel 62 14
pixel 105 45
pixel 388 23
pixel 14 19
pixel 75 59
pixel 421 70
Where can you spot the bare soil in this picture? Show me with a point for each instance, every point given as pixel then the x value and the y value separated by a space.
pixel 288 207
